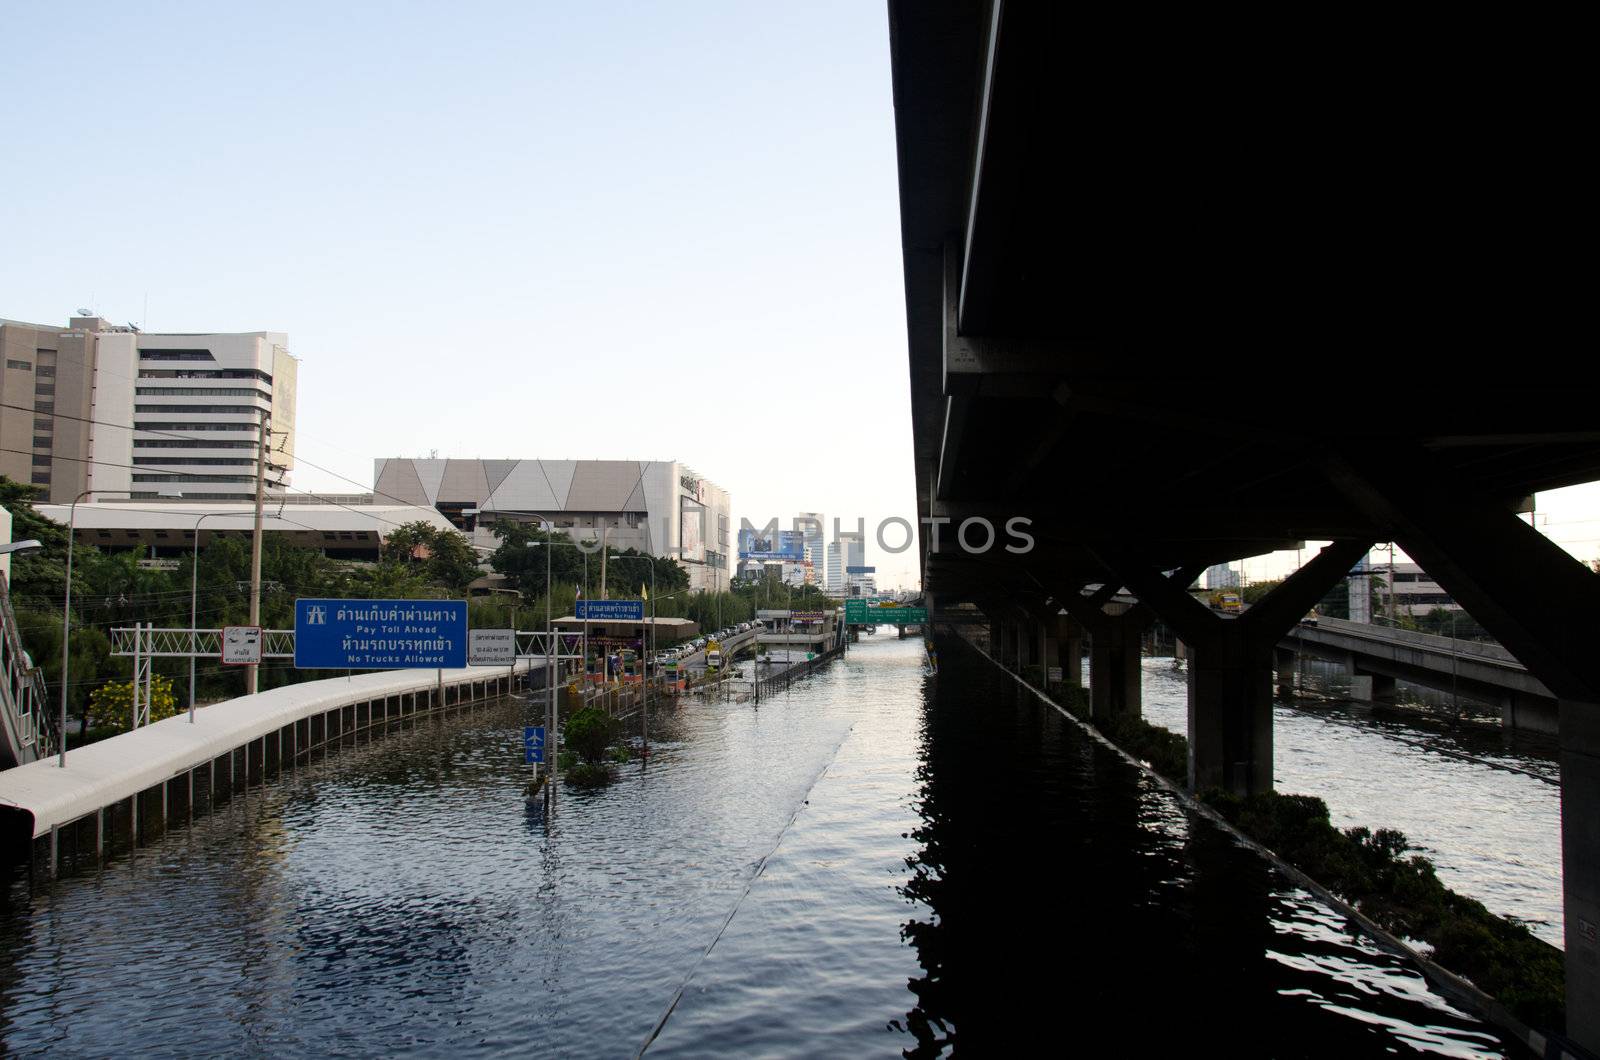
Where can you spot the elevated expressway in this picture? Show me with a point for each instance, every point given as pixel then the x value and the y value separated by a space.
pixel 1176 301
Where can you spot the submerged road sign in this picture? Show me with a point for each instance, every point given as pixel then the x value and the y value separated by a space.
pixel 533 745
pixel 379 634
pixel 611 610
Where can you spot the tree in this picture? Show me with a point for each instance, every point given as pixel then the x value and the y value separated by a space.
pixel 444 555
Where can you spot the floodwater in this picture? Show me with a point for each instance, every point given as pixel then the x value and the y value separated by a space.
pixel 1485 809
pixel 874 863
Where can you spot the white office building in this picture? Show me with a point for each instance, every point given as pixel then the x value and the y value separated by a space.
pixel 657 506
pixel 123 411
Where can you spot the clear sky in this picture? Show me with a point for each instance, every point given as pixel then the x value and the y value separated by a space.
pixel 626 231
pixel 629 231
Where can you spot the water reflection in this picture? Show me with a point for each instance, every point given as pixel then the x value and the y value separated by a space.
pixel 873 863
pixel 1494 833
pixel 1063 899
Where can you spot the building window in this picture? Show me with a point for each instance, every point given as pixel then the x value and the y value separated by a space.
pixel 47 371
pixel 41 461
pixel 194 426
pixel 217 410
pixel 176 355
pixel 44 406
pixel 41 443
pixel 41 478
pixel 44 425
pixel 21 366
pixel 200 391
pixel 44 388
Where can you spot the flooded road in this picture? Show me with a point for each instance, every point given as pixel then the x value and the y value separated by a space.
pixel 873 863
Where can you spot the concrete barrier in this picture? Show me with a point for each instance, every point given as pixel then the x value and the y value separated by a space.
pixel 119 792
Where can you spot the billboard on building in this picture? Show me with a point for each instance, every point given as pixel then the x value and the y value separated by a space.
pixel 785 546
pixel 692 529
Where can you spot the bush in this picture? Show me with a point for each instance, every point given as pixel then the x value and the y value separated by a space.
pixel 1404 896
pixel 589 775
pixel 111 705
pixel 588 733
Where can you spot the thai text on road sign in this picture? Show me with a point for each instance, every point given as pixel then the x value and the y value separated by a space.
pixel 380 634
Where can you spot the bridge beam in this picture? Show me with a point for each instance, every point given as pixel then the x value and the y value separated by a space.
pixel 1540 603
pixel 1230 673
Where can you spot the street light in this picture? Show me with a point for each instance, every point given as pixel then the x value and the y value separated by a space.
pixel 644 711
pixel 20 546
pixel 194 585
pixel 66 607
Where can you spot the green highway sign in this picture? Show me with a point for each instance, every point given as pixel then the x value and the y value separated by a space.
pixel 857 613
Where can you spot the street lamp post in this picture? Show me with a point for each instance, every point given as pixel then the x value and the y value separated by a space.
pixel 66 611
pixel 194 587
pixel 644 710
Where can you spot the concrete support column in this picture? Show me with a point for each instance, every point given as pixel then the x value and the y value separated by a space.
pixel 1580 864
pixel 1230 672
pixel 1383 690
pixel 1230 715
pixel 1284 662
pixel 1069 638
pixel 1114 672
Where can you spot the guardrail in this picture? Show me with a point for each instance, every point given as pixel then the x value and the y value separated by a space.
pixel 790 674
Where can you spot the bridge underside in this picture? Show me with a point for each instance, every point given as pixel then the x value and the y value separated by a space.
pixel 1170 303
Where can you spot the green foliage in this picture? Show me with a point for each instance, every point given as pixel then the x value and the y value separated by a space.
pixel 589 775
pixel 111 705
pixel 445 557
pixel 1370 871
pixel 1404 896
pixel 1255 592
pixel 1166 751
pixel 521 557
pixel 589 732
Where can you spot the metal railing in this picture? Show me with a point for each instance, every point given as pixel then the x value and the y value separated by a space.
pixel 790 674
pixel 29 724
pixel 160 643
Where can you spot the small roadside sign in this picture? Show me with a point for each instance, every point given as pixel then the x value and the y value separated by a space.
pixel 491 647
pixel 1053 674
pixel 533 745
pixel 241 645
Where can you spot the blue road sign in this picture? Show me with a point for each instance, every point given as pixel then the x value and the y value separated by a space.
pixel 860 570
pixel 533 745
pixel 379 634
pixel 611 610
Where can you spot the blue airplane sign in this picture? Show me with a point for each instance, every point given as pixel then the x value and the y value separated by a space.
pixel 533 745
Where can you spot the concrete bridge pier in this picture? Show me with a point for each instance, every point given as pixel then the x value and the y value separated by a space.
pixel 1115 678
pixel 1067 653
pixel 1284 663
pixel 1383 689
pixel 1230 674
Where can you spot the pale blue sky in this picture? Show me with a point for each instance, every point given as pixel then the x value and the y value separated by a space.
pixel 563 230
pixel 574 230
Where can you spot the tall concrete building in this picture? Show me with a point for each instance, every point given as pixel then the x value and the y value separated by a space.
pixel 810 525
pixel 110 408
pixel 1222 576
pixel 657 506
pixel 846 550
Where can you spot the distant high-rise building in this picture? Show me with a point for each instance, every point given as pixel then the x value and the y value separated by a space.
pixel 810 525
pixel 1221 576
pixel 141 414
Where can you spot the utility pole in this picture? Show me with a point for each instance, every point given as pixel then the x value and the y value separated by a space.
pixel 251 672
